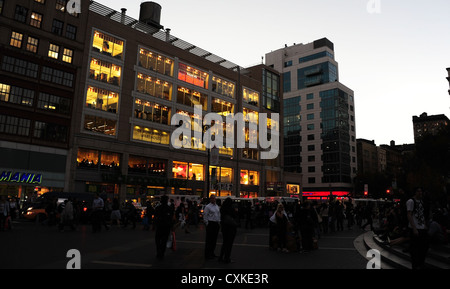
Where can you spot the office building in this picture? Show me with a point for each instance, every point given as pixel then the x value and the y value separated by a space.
pixel 135 76
pixel 319 118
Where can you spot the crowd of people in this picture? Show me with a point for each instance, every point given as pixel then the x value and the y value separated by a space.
pixel 294 226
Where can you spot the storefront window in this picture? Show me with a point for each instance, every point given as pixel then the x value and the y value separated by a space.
pixel 191 97
pixel 153 61
pixel 251 96
pixel 151 111
pixel 221 174
pixel 154 86
pixel 107 45
pixel 102 99
pixel 222 107
pixel 137 164
pixel 249 177
pixel 100 125
pixel 196 172
pixel 143 165
pixel 105 72
pixel 223 87
pixel 151 135
pixel 180 170
pixel 87 158
pixel 193 76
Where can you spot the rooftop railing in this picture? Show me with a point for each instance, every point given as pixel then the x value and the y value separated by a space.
pixel 160 34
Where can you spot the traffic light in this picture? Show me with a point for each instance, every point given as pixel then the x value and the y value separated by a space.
pixel 388 191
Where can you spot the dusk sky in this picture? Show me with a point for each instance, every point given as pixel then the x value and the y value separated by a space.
pixel 392 53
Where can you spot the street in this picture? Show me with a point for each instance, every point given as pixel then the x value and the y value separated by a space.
pixel 36 246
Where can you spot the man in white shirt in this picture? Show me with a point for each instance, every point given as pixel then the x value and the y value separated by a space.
pixel 211 218
pixel 418 230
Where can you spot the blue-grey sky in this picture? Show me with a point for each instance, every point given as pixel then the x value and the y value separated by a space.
pixel 392 53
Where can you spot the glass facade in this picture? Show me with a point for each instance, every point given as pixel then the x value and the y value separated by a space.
pixel 105 72
pixel 223 87
pixel 271 91
pixel 335 136
pixel 193 76
pixel 316 74
pixel 292 136
pixel 101 99
pixel 154 86
pixel 156 62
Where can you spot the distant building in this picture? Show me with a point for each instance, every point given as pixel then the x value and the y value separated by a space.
pixel 428 124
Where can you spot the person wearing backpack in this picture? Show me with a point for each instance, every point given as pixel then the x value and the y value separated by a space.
pixel 417 225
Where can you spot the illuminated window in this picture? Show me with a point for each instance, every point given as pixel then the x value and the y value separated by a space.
pixel 154 61
pixel 223 87
pixel 5 90
pixel 100 125
pixel 191 97
pixel 87 158
pixel 16 39
pixel 151 135
pixel 251 96
pixel 151 111
pixel 250 115
pixel 221 174
pixel 53 103
pixel 107 45
pixel 53 51
pixel 36 19
pixel 67 55
pixel 61 5
pixel 222 107
pixel 102 99
pixel 154 86
pixel 189 171
pixel 40 1
pixel 249 177
pixel 109 160
pixel 105 72
pixel 193 76
pixel 32 44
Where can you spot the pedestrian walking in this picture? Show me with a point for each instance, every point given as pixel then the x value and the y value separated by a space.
pixel 97 213
pixel 66 216
pixel 211 218
pixel 324 215
pixel 229 225
pixel 367 214
pixel 115 212
pixel 419 241
pixel 164 220
pixel 4 213
pixel 281 221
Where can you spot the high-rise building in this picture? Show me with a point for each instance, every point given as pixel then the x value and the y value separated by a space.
pixel 319 118
pixel 41 53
